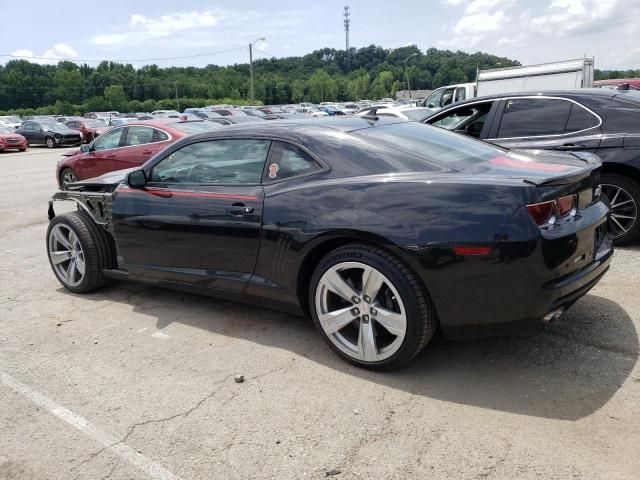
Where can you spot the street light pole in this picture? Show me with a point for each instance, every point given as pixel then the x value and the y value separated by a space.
pixel 406 73
pixel 251 68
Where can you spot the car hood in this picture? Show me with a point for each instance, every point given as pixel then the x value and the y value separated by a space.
pixel 10 135
pixel 61 131
pixel 111 179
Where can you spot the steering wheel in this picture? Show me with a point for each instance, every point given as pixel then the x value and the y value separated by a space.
pixel 203 173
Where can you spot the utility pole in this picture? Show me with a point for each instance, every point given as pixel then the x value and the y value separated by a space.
pixel 252 94
pixel 406 72
pixel 177 101
pixel 347 22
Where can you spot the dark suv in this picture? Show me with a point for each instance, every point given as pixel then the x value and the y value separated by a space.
pixel 602 121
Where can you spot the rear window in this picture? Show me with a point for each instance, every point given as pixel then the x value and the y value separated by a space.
pixel 526 117
pixel 432 143
pixel 580 119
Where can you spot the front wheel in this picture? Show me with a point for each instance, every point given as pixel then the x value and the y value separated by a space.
pixel 50 142
pixel 78 252
pixel 68 176
pixel 624 197
pixel 370 308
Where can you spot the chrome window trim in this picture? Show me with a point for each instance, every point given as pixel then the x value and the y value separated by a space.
pixel 121 127
pixel 555 135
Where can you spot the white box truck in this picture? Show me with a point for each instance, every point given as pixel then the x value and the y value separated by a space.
pixel 565 75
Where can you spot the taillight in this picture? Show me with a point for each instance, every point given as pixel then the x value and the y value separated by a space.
pixel 543 213
pixel 566 205
pixel 546 213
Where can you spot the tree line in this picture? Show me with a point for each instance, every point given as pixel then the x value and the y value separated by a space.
pixel 68 88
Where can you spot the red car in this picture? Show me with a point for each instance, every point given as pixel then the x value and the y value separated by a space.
pixel 619 83
pixel 126 146
pixel 89 128
pixel 10 140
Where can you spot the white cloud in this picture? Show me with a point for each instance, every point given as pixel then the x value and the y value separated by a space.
pixel 567 17
pixel 480 23
pixel 454 2
pixel 142 28
pixel 480 6
pixel 60 51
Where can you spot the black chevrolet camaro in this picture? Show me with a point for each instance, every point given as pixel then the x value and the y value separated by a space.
pixel 381 231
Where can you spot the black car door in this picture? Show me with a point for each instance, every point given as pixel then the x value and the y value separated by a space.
pixel 27 130
pixel 198 218
pixel 547 123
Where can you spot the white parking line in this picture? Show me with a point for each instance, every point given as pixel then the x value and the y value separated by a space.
pixel 125 452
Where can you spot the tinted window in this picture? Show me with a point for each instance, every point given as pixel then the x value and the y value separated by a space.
pixel 214 161
pixel 110 139
pixel 138 136
pixel 526 117
pixel 430 143
pixel 580 119
pixel 161 136
pixel 28 126
pixel 288 161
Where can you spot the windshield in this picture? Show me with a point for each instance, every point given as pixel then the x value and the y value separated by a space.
pixel 98 123
pixel 194 127
pixel 417 114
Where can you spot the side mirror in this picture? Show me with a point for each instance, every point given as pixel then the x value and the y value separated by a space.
pixel 137 179
pixel 84 148
pixel 431 105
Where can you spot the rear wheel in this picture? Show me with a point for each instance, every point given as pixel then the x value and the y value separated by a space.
pixel 68 176
pixel 370 308
pixel 49 142
pixel 624 196
pixel 78 251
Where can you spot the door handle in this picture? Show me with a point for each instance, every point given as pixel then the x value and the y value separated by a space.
pixel 569 147
pixel 111 155
pixel 240 210
pixel 146 152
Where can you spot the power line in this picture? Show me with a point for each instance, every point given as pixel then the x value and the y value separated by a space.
pixel 121 60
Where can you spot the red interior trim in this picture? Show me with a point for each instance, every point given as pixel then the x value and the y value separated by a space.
pixel 186 193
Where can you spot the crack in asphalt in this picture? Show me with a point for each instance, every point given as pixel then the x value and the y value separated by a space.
pixel 185 413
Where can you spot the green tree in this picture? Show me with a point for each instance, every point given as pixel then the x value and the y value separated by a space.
pixel 115 98
pixel 381 86
pixel 297 91
pixel 322 88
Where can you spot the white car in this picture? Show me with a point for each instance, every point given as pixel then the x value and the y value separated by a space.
pixel 312 111
pixel 409 113
pixel 164 113
pixel 10 121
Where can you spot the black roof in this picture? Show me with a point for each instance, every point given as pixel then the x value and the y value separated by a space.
pixel 576 92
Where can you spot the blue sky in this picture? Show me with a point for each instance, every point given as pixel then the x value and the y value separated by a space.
pixel 531 31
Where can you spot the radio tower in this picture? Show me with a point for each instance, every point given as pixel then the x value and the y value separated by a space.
pixel 346 31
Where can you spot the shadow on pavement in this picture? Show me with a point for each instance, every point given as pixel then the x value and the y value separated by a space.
pixel 567 370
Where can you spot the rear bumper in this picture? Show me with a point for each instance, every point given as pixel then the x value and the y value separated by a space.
pixel 516 316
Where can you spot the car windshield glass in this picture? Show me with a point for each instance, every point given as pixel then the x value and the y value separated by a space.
pixel 432 143
pixel 95 123
pixel 4 129
pixel 194 127
pixel 417 114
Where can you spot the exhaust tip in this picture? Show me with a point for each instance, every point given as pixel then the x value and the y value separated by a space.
pixel 553 315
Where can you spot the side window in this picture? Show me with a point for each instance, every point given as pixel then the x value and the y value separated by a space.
pixel 160 136
pixel 110 139
pixel 73 125
pixel 138 136
pixel 28 126
pixel 580 119
pixel 433 100
pixel 469 119
pixel 461 94
pixel 233 161
pixel 288 161
pixel 447 97
pixel 527 117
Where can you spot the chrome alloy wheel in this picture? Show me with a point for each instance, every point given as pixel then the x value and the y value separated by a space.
pixel 361 311
pixel 69 177
pixel 624 211
pixel 66 254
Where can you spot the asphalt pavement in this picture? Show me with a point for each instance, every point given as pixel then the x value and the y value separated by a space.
pixel 136 382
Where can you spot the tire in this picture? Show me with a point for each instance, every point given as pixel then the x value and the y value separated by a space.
pixel 68 176
pixel 363 317
pixel 22 149
pixel 624 195
pixel 50 142
pixel 84 240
